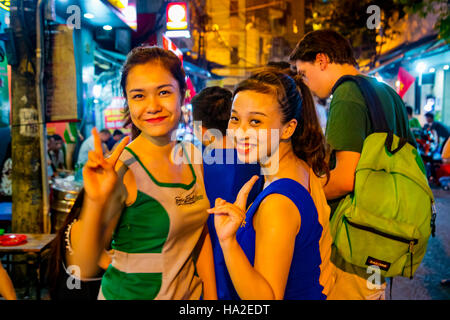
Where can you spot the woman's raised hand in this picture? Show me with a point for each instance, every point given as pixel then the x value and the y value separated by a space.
pixel 98 173
pixel 228 216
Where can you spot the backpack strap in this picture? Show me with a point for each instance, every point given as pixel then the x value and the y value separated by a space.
pixel 376 112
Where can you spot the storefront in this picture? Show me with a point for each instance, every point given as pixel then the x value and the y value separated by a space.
pixel 97 38
pixel 419 71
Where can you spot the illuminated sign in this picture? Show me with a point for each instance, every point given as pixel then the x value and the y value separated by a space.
pixel 126 11
pixel 119 4
pixel 176 16
pixel 5 4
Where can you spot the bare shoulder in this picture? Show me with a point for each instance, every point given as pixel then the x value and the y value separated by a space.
pixel 127 189
pixel 277 211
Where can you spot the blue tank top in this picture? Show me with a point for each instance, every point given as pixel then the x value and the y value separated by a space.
pixel 303 280
pixel 223 179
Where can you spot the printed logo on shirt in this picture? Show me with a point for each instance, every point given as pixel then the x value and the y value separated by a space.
pixel 190 198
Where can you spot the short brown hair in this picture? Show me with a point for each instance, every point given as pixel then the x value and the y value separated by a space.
pixel 329 42
pixel 212 106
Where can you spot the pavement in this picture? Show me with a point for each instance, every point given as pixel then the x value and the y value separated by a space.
pixel 435 265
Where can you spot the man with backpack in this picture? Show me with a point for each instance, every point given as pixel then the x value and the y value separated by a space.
pixel 323 58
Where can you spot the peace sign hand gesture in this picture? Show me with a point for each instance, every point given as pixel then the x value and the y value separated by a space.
pixel 228 216
pixel 98 173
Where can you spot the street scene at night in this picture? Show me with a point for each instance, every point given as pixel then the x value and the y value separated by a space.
pixel 224 150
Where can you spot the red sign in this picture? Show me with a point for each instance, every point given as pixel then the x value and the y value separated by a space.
pixel 190 90
pixel 114 114
pixel 176 16
pixel 169 45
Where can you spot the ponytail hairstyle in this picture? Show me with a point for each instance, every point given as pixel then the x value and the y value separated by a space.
pixel 296 102
pixel 142 55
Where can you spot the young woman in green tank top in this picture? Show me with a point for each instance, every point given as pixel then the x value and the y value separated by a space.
pixel 143 200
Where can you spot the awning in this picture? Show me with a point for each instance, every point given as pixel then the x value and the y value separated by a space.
pixel 408 52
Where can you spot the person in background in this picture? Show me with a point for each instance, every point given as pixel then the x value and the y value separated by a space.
pixel 72 136
pixel 117 136
pixel 56 152
pixel 443 170
pixel 6 175
pixel 414 123
pixel 88 145
pixel 322 57
pixel 6 286
pixel 211 110
pixel 440 129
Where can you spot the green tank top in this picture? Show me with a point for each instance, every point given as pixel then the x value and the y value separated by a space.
pixel 155 240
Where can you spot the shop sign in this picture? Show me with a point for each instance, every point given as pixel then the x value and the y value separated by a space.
pixel 5 4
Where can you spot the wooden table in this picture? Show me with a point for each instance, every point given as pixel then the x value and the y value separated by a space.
pixel 35 245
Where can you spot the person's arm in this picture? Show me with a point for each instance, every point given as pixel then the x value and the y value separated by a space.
pixel 342 177
pixel 102 196
pixel 267 279
pixel 205 267
pixel 6 286
pixel 277 218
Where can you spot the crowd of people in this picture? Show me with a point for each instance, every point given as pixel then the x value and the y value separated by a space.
pixel 433 143
pixel 61 153
pixel 245 217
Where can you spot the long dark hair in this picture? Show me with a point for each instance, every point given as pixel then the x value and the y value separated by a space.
pixel 143 55
pixel 296 102
pixel 57 249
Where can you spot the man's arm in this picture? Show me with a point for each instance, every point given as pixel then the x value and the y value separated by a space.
pixel 342 177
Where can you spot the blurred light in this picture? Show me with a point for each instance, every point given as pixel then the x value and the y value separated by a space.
pixel 446 67
pixel 379 78
pixel 131 16
pixel 432 70
pixel 95 100
pixel 176 13
pixel 89 16
pixel 176 16
pixel 421 67
pixel 88 73
pixel 97 90
pixel 397 83
pixel 294 26
pixel 107 27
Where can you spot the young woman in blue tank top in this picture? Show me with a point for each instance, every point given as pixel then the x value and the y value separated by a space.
pixel 272 250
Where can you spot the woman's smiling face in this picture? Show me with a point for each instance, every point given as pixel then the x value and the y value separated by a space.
pixel 154 99
pixel 256 125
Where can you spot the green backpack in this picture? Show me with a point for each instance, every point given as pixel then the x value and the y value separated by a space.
pixel 387 220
